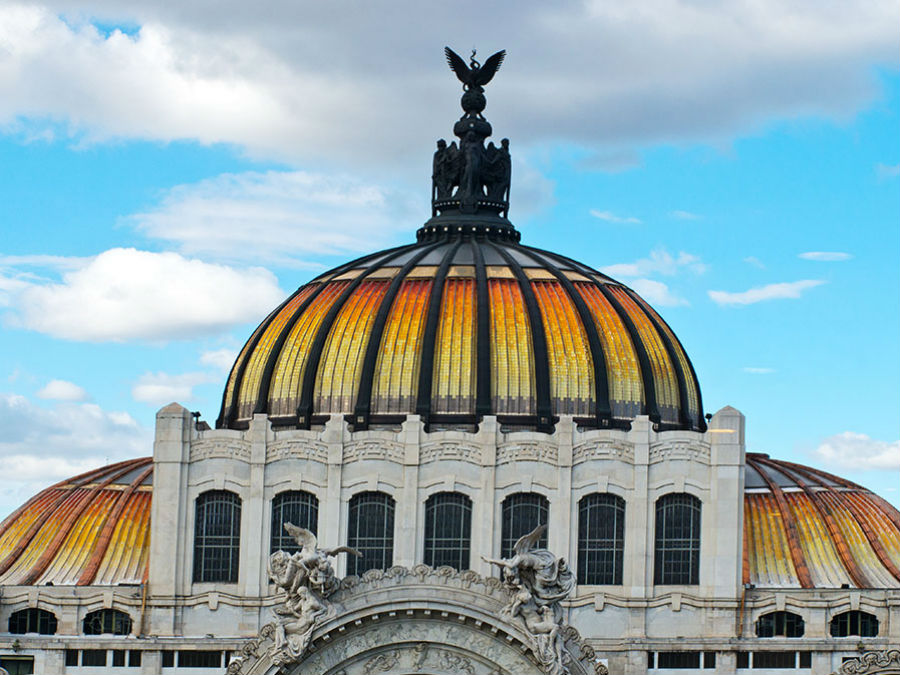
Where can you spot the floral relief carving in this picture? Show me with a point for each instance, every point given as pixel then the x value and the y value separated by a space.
pixel 220 449
pixel 603 450
pixel 887 661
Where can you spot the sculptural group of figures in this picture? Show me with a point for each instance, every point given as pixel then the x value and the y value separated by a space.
pixel 470 172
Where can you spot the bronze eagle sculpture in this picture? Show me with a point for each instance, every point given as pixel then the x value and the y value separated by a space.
pixel 475 75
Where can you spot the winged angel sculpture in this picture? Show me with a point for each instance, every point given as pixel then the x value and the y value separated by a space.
pixel 474 76
pixel 538 581
pixel 307 579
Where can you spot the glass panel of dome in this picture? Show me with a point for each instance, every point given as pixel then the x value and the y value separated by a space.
pixel 512 360
pixel 453 377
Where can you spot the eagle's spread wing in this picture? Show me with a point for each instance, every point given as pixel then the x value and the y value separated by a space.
pixel 528 542
pixel 458 66
pixel 341 549
pixel 304 538
pixel 490 67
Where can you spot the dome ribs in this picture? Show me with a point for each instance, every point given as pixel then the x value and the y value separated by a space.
pixel 541 361
pixel 787 517
pixel 837 536
pixel 603 411
pixel 684 415
pixel 90 570
pixel 363 407
pixel 304 408
pixel 429 336
pixel 483 337
pixel 801 473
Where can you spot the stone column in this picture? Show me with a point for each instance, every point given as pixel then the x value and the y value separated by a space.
pixel 332 525
pixel 485 508
pixel 254 551
pixel 725 512
pixel 406 531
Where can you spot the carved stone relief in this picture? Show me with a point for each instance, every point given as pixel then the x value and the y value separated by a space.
pixel 373 449
pixel 220 449
pixel 695 452
pixel 432 452
pixel 527 451
pixel 882 663
pixel 297 450
pixel 603 450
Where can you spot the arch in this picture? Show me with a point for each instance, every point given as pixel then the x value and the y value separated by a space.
pixel 677 550
pixel 521 513
pixel 32 620
pixel 217 536
pixel 780 624
pixel 298 507
pixel 854 623
pixel 601 539
pixel 448 530
pixel 106 622
pixel 370 530
pixel 885 662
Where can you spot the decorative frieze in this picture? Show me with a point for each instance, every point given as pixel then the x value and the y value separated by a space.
pixel 527 451
pixel 450 450
pixel 373 449
pixel 293 449
pixel 620 450
pixel 220 448
pixel 694 451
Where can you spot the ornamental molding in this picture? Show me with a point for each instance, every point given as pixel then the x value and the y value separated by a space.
pixel 220 448
pixel 692 451
pixel 450 450
pixel 886 662
pixel 373 449
pixel 297 449
pixel 621 450
pixel 527 451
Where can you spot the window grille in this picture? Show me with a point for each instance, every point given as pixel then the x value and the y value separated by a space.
pixel 371 532
pixel 522 512
pixel 601 537
pixel 297 507
pixel 783 624
pixel 677 558
pixel 32 620
pixel 854 622
pixel 106 621
pixel 217 536
pixel 448 530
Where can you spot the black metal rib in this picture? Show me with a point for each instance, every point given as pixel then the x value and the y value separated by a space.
pixel 367 376
pixel 304 409
pixel 538 342
pixel 483 337
pixel 262 401
pixel 683 403
pixel 429 336
pixel 603 411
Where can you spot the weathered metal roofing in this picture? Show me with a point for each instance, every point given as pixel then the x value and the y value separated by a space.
pixel 806 528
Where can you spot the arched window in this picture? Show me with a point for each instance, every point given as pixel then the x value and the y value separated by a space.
pixel 448 530
pixel 677 559
pixel 522 512
pixel 32 620
pixel 105 621
pixel 855 623
pixel 297 507
pixel 782 624
pixel 371 532
pixel 601 539
pixel 217 536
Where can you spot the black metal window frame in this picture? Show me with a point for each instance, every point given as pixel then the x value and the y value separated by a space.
pixel 370 530
pixel 854 623
pixel 448 530
pixel 33 620
pixel 298 507
pixel 780 624
pixel 217 537
pixel 106 622
pixel 521 513
pixel 601 539
pixel 677 550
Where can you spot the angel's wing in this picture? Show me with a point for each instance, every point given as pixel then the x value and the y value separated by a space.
pixel 490 67
pixel 341 549
pixel 528 542
pixel 303 537
pixel 458 66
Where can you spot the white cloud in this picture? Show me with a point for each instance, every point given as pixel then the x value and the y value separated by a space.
pixel 611 217
pixel 40 446
pixel 825 256
pixel 60 390
pixel 887 170
pixel 758 371
pixel 684 215
pixel 220 359
pixel 851 450
pixel 659 261
pixel 657 293
pixel 756 262
pixel 162 388
pixel 126 294
pixel 792 289
pixel 318 82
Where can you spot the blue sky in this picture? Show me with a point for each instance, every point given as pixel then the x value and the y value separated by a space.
pixel 168 177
